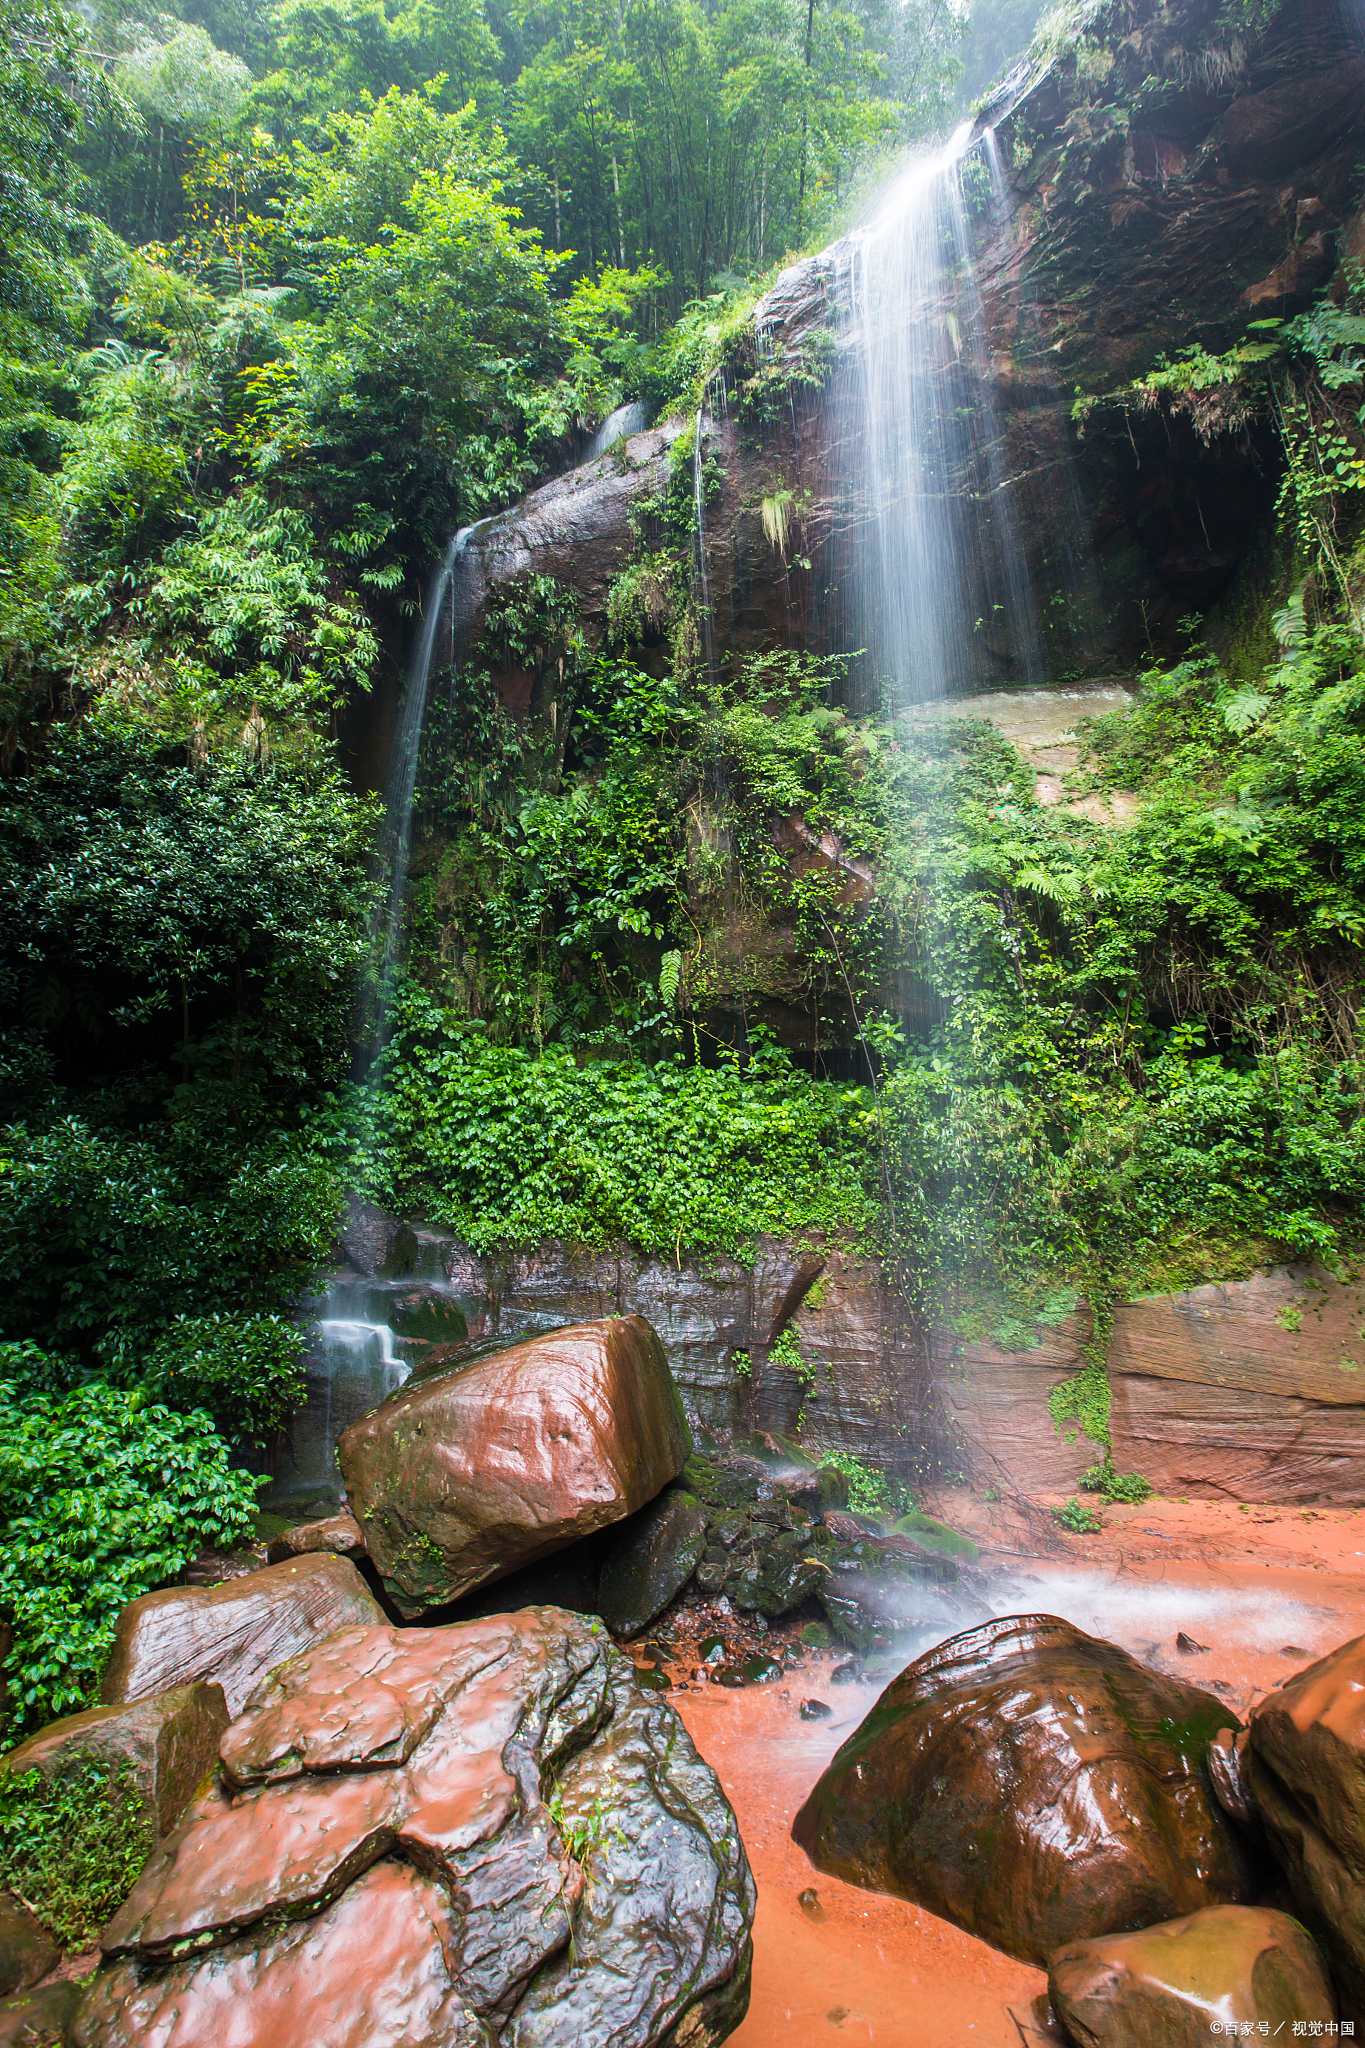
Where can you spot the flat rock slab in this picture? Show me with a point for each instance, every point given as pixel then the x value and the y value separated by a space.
pixel 168 1745
pixel 1034 1785
pixel 1228 1968
pixel 460 1478
pixel 336 1535
pixel 1305 1771
pixel 441 1836
pixel 234 1633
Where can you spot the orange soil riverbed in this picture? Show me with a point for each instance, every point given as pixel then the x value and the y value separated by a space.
pixel 1265 1590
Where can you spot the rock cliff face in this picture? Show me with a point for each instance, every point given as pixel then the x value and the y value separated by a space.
pixel 1245 1390
pixel 861 1385
pixel 1164 179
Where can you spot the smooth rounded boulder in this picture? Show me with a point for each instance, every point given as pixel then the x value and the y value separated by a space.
pixel 1305 1769
pixel 442 1836
pixel 1036 1786
pixel 1228 1970
pixel 27 1950
pixel 233 1633
pixel 460 1478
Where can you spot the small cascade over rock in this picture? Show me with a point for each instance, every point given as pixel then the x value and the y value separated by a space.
pixel 937 590
pixel 628 419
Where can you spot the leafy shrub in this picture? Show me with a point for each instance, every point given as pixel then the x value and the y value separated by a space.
pixel 102 1497
pixel 1078 1518
pixel 104 1240
pixel 1116 1486
pixel 72 1846
pixel 869 1491
pixel 244 1370
pixel 507 1148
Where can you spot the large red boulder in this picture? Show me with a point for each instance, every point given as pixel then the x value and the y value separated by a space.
pixel 1034 1785
pixel 235 1632
pixel 441 1836
pixel 462 1477
pixel 1305 1772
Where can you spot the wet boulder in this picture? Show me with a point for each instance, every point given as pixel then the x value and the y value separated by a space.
pixel 41 2018
pixel 161 1749
pixel 27 1950
pixel 441 1835
pixel 1225 1970
pixel 462 1477
pixel 337 1535
pixel 1034 1785
pixel 655 1557
pixel 233 1633
pixel 1305 1770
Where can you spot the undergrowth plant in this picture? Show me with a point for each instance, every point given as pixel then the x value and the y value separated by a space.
pixel 73 1843
pixel 104 1496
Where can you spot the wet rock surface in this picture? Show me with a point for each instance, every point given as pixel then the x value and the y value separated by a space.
pixel 41 2018
pixel 163 1747
pixel 1178 1985
pixel 27 1950
pixel 451 1805
pixel 1034 1785
pixel 651 1565
pixel 335 1535
pixel 779 1536
pixel 233 1633
pixel 1305 1770
pixel 464 1476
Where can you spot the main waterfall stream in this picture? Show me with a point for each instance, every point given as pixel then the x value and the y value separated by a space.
pixel 940 594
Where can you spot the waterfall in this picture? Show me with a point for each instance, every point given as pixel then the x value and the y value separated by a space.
pixel 699 501
pixel 386 931
pixel 938 592
pixel 628 419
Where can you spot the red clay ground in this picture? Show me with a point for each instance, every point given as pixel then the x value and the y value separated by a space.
pixel 1265 1589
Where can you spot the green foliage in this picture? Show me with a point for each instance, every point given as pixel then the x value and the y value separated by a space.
pixel 1082 1403
pixel 244 1371
pixel 102 1498
pixel 104 1240
pixel 138 888
pixel 870 1492
pixel 73 1845
pixel 508 1148
pixel 1129 1487
pixel 1075 1517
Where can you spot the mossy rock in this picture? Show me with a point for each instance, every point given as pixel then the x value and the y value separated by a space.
pixel 936 1536
pixel 652 1562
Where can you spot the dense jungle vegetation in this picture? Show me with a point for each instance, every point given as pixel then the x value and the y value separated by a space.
pixel 290 293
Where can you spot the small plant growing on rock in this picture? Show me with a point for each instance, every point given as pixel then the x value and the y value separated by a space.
pixel 1129 1487
pixel 1075 1516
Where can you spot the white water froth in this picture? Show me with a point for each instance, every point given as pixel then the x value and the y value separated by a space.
pixel 1136 1612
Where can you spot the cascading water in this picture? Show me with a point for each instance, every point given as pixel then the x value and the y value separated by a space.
pixel 937 589
pixel 628 419
pixel 699 505
pixel 402 784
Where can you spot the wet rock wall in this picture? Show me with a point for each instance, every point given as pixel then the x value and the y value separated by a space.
pixel 1243 1390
